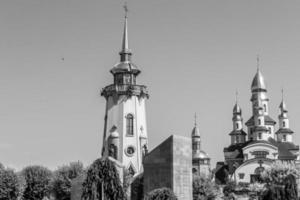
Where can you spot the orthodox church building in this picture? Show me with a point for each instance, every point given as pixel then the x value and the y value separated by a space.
pixel 125 130
pixel 257 146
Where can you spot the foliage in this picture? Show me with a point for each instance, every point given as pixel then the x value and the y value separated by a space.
pixel 204 188
pixel 9 187
pixel 281 182
pixel 161 194
pixel 63 177
pixel 37 182
pixel 1 166
pixel 102 177
pixel 137 187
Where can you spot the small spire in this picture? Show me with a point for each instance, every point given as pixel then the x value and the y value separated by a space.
pixel 257 62
pixel 195 119
pixel 125 51
pixel 236 96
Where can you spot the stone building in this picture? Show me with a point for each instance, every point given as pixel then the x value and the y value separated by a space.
pixel 201 160
pixel 125 129
pixel 250 153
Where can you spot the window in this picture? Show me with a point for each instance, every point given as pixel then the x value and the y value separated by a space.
pixel 265 107
pixel 259 121
pixel 245 156
pixel 259 135
pixel 237 126
pixel 270 130
pixel 129 124
pixel 241 175
pixel 284 138
pixel 283 124
pixel 237 139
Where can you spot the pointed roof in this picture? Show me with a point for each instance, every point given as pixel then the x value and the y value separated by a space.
pixel 125 65
pixel 258 83
pixel 195 131
pixel 237 109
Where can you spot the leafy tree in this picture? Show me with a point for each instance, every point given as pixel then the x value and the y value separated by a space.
pixel 102 178
pixel 204 188
pixel 280 181
pixel 63 177
pixel 9 187
pixel 37 182
pixel 161 194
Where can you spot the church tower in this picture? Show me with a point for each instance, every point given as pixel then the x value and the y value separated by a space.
pixel 237 134
pixel 284 134
pixel 125 129
pixel 260 125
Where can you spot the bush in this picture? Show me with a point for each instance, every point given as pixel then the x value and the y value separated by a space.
pixel 204 188
pixel 103 178
pixel 63 177
pixel 9 187
pixel 37 182
pixel 161 194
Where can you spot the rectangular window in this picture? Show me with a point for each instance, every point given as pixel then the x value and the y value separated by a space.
pixel 259 136
pixel 284 138
pixel 241 175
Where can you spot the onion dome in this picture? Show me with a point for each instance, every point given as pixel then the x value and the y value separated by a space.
pixel 282 106
pixel 195 132
pixel 201 155
pixel 237 109
pixel 258 83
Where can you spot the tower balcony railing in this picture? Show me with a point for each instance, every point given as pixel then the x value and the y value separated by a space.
pixel 125 89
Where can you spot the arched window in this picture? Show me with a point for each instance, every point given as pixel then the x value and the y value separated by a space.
pixel 237 125
pixel 283 124
pixel 259 121
pixel 129 124
pixel 284 138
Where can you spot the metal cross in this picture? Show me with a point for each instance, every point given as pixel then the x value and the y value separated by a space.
pixel 125 8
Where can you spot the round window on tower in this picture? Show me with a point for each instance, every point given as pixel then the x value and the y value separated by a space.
pixel 129 151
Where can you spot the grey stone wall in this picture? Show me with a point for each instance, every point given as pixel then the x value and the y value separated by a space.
pixel 170 165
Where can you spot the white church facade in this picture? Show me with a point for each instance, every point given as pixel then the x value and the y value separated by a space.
pixel 252 152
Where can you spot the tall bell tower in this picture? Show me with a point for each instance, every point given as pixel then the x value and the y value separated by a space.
pixel 125 129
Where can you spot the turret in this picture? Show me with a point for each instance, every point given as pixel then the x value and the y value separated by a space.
pixel 284 134
pixel 196 139
pixel 237 134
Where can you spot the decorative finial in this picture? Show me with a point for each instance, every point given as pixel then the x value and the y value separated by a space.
pixel 195 118
pixel 236 96
pixel 257 62
pixel 125 9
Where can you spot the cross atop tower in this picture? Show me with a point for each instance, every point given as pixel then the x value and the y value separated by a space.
pixel 236 96
pixel 257 62
pixel 195 119
pixel 125 8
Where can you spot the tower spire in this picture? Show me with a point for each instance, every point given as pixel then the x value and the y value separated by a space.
pixel 282 94
pixel 195 119
pixel 236 96
pixel 125 51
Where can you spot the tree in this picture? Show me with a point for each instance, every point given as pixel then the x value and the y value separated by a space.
pixel 37 182
pixel 102 178
pixel 204 188
pixel 63 177
pixel 9 187
pixel 161 194
pixel 280 181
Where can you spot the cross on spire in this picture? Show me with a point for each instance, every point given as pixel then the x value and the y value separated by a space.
pixel 236 96
pixel 257 62
pixel 125 8
pixel 195 119
pixel 282 94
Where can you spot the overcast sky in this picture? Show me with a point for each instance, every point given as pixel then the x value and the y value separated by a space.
pixel 55 56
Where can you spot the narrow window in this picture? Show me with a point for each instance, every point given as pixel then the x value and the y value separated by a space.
pixel 237 139
pixel 259 121
pixel 259 135
pixel 237 125
pixel 283 124
pixel 265 107
pixel 284 138
pixel 270 130
pixel 129 124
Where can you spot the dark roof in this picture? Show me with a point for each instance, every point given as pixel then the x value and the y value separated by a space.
pixel 238 132
pixel 268 121
pixel 284 148
pixel 284 130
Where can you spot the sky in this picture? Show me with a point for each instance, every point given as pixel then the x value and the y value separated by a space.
pixel 55 57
